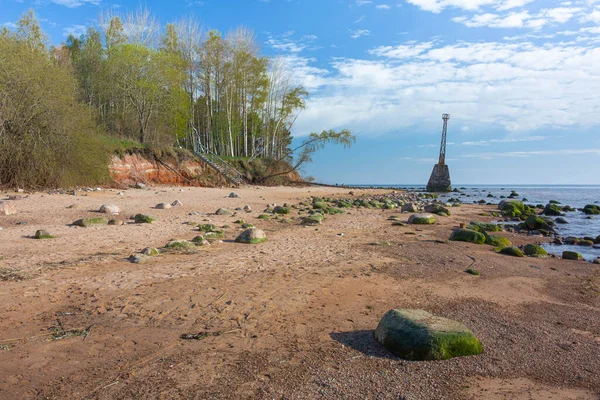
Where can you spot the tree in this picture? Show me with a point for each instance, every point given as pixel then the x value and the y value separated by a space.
pixel 308 147
pixel 47 138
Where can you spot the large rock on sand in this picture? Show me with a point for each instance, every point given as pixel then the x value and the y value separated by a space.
pixel 422 219
pixel 419 335
pixel 252 236
pixel 7 208
pixel 110 209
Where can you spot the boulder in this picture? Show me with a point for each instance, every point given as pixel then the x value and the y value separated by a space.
pixel 140 185
pixel 552 209
pixel 519 204
pixel 247 209
pixel 597 240
pixel 533 250
pixel 467 235
pixel 150 251
pixel 281 210
pixel 484 227
pixel 177 203
pixel 110 209
pixel 179 244
pixel 234 195
pixel 591 209
pixel 116 222
pixel 252 236
pixel 561 220
pixel 418 335
pixel 438 209
pixel 143 219
pixel 534 222
pixel 422 219
pixel 42 234
pixel 409 207
pixel 223 211
pixel 138 258
pixel 7 208
pixel 314 219
pixel 572 255
pixel 163 206
pixel 86 222
pixel 512 251
pixel 497 241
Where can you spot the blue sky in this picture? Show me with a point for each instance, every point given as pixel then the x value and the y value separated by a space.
pixel 520 78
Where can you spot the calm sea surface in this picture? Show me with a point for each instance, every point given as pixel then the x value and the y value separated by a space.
pixel 575 196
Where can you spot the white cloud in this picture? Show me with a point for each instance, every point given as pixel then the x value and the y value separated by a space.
pixel 75 3
pixel 285 43
pixel 383 7
pixel 75 30
pixel 355 34
pixel 519 87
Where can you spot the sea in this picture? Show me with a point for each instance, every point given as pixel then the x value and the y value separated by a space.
pixel 576 196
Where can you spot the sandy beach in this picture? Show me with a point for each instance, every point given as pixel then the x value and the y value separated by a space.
pixel 289 318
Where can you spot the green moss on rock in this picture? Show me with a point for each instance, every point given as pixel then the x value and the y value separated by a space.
pixel 419 335
pixel 86 222
pixel 42 234
pixel 572 255
pixel 533 250
pixel 467 235
pixel 483 226
pixel 422 219
pixel 251 236
pixel 497 241
pixel 512 251
pixel 143 219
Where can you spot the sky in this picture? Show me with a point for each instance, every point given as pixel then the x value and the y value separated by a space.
pixel 519 78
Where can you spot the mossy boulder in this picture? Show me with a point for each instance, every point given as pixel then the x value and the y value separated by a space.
pixel 252 236
pixel 224 211
pixel 247 226
pixel 467 235
pixel 421 219
pixel 483 226
pixel 215 234
pixel 281 210
pixel 591 209
pixel 200 241
pixel 572 255
pixel 43 234
pixel 497 241
pixel 150 251
pixel 585 242
pixel 86 222
pixel 533 250
pixel 517 203
pixel 511 210
pixel 472 272
pixel 597 240
pixel 535 222
pixel 314 219
pixel 207 227
pixel 179 244
pixel 438 209
pixel 552 210
pixel 264 216
pixel 143 219
pixel 512 251
pixel 418 335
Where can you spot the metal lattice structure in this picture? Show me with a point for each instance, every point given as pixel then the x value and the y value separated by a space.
pixel 442 161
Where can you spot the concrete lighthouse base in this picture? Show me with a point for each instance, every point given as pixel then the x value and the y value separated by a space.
pixel 440 179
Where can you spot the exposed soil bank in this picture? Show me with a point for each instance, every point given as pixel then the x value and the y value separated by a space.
pixel 132 168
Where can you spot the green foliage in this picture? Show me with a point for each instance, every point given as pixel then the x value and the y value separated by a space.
pixel 46 137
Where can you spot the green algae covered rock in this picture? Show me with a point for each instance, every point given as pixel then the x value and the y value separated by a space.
pixel 497 241
pixel 572 255
pixel 264 216
pixel 534 222
pixel 552 209
pixel 43 234
pixel 179 244
pixel 483 227
pixel 86 222
pixel 422 219
pixel 143 219
pixel 597 240
pixel 418 335
pixel 512 251
pixel 467 235
pixel 251 236
pixel 591 209
pixel 533 250
pixel 281 210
